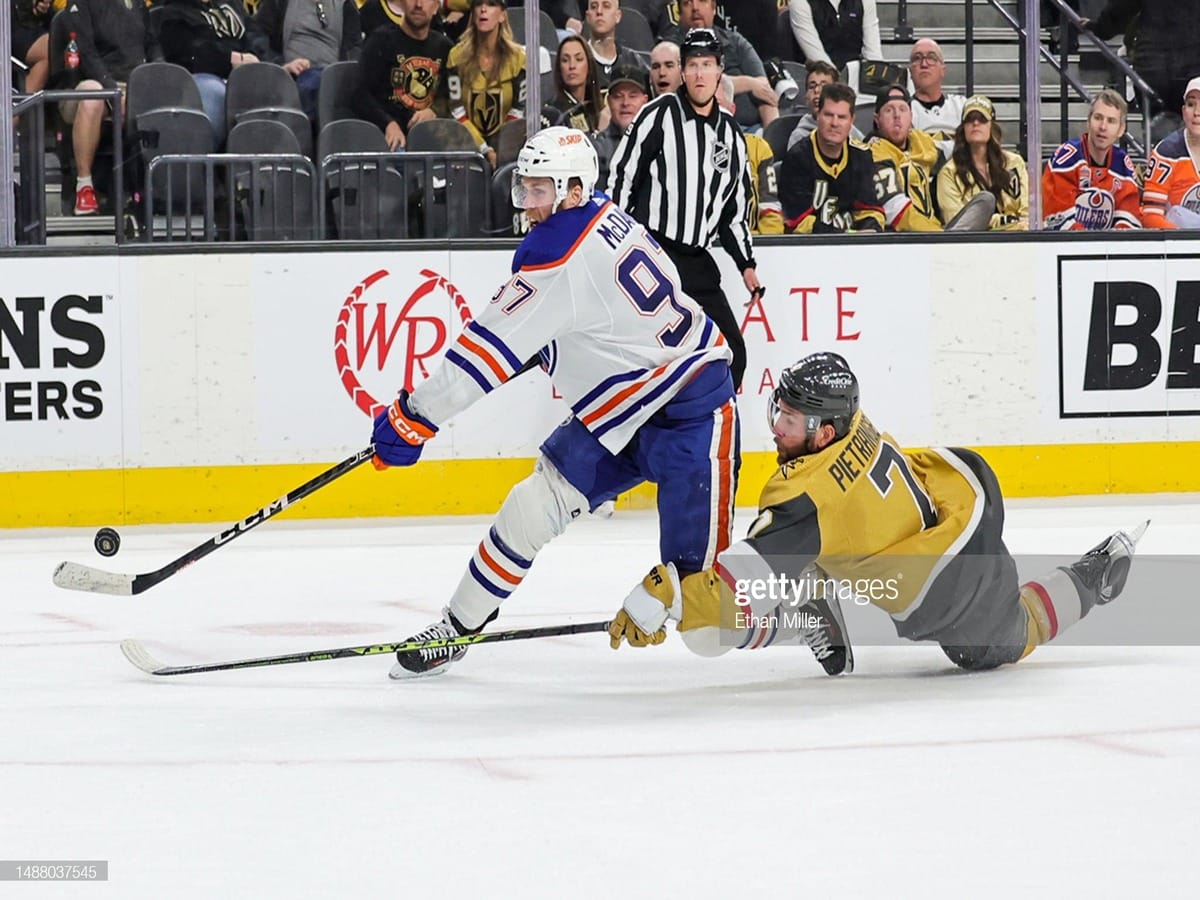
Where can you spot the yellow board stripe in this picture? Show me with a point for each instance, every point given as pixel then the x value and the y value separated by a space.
pixel 477 487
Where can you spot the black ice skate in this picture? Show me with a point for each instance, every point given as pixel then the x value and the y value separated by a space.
pixel 824 630
pixel 1104 568
pixel 434 660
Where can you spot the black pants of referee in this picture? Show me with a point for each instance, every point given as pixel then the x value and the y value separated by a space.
pixel 701 280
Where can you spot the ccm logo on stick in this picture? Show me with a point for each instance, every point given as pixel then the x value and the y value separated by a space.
pixel 1129 331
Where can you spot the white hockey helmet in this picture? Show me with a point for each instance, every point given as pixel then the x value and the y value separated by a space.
pixel 559 153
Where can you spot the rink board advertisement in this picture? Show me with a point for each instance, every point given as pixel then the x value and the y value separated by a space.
pixel 193 386
pixel 62 356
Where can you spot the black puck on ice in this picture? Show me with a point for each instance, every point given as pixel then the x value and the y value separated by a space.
pixel 107 542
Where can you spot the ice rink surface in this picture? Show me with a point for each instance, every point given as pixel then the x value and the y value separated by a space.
pixel 558 768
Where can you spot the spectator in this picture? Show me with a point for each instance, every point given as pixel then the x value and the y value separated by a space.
pixel 757 102
pixel 1088 184
pixel 836 31
pixel 113 40
pixel 980 163
pixel 765 214
pixel 628 92
pixel 310 36
pixel 577 88
pixel 1171 195
pixel 404 74
pixel 933 110
pixel 211 38
pixel 755 20
pixel 602 18
pixel 30 24
pixel 906 161
pixel 665 73
pixel 487 74
pixel 819 74
pixel 663 16
pixel 826 183
pixel 565 14
pixel 1166 46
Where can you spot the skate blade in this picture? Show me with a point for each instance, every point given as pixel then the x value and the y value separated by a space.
pixel 1135 534
pixel 399 673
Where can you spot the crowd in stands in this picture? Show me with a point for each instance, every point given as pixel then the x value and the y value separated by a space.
pixel 925 155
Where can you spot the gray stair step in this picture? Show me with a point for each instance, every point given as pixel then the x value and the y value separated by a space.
pixel 926 15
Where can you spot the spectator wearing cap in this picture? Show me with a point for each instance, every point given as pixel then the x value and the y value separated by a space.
pixel 681 171
pixel 766 216
pixel 666 74
pixel 933 110
pixel 980 163
pixel 906 161
pixel 756 99
pixel 818 73
pixel 827 182
pixel 1088 184
pixel 1171 194
pixel 628 92
pixel 1166 45
pixel 836 31
pixel 603 17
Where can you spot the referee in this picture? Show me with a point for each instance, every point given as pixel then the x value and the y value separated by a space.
pixel 681 171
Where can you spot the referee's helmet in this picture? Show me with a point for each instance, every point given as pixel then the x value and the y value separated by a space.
pixel 702 42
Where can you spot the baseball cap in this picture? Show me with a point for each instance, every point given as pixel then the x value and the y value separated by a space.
pixel 630 74
pixel 1193 85
pixel 980 104
pixel 890 93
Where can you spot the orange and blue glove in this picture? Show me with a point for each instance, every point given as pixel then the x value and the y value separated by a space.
pixel 400 435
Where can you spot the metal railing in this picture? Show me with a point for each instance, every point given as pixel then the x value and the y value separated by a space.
pixel 32 151
pixel 262 196
pixel 1067 81
pixel 359 196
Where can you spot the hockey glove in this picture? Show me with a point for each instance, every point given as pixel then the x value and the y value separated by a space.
pixel 642 616
pixel 400 435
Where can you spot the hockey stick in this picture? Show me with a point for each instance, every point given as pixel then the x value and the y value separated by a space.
pixel 77 577
pixel 140 657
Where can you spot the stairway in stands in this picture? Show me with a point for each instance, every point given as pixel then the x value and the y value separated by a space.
pixel 997 66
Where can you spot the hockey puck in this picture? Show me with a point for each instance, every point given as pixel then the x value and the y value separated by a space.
pixel 107 542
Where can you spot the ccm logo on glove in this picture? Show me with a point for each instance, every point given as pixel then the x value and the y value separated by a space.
pixel 400 434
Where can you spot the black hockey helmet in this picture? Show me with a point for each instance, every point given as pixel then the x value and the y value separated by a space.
pixel 702 42
pixel 822 387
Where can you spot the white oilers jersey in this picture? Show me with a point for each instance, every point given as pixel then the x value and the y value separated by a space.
pixel 594 295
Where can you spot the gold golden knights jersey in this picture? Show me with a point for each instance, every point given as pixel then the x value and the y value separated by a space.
pixel 485 106
pixel 1012 198
pixel 766 215
pixel 904 181
pixel 881 522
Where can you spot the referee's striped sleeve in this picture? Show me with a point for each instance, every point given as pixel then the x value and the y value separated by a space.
pixel 734 230
pixel 627 160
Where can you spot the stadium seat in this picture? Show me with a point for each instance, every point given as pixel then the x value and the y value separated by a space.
pixel 440 134
pixel 362 199
pixel 173 130
pixel 503 212
pixel 335 99
pixel 777 133
pixel 159 85
pixel 634 32
pixel 547 33
pixel 266 91
pixel 509 140
pixel 274 198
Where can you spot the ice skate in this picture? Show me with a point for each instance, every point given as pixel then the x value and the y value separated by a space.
pixel 434 660
pixel 1104 568
pixel 823 629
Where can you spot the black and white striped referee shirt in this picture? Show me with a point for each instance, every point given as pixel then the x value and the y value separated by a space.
pixel 685 176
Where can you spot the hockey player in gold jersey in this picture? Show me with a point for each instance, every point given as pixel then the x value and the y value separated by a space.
pixel 850 515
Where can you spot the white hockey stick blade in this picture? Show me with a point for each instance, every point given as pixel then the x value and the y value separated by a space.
pixel 75 577
pixel 140 656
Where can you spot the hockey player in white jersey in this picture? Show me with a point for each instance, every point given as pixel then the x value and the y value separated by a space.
pixel 644 370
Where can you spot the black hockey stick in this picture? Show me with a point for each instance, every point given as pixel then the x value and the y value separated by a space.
pixel 77 577
pixel 140 657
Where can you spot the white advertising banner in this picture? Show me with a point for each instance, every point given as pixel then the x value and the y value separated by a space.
pixel 62 360
pixel 1126 325
pixel 335 339
pixel 870 303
